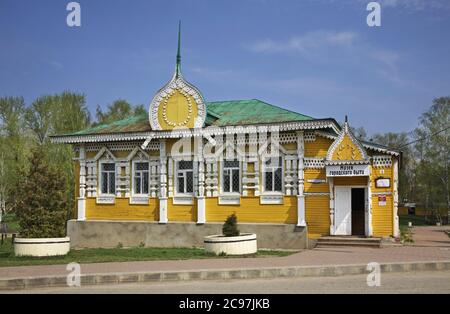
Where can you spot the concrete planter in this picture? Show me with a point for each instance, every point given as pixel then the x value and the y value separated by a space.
pixel 41 247
pixel 240 245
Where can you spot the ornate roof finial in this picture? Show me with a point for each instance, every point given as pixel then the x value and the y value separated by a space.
pixel 346 119
pixel 178 66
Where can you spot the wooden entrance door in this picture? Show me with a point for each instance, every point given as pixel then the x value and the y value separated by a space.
pixel 343 210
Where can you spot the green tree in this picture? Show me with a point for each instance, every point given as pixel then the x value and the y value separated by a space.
pixel 118 110
pixel 58 114
pixel 41 206
pixel 360 133
pixel 13 149
pixel 230 227
pixel 70 113
pixel 432 153
pixel 39 118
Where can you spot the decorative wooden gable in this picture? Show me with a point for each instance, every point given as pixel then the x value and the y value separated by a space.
pixel 104 154
pixel 346 149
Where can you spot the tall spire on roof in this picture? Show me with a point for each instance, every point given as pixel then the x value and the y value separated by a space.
pixel 178 103
pixel 178 66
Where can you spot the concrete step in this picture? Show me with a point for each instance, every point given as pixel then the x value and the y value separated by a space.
pixel 349 241
pixel 328 244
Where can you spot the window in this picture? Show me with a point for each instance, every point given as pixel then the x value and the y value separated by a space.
pixel 185 177
pixel 108 178
pixel 141 178
pixel 273 180
pixel 231 177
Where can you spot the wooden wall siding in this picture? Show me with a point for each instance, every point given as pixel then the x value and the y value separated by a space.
pixel 311 174
pixel 90 155
pixel 317 215
pixel 122 210
pixel 382 217
pixel 290 146
pixel 381 172
pixel 250 210
pixel 121 154
pixel 318 148
pixel 182 213
pixel 360 181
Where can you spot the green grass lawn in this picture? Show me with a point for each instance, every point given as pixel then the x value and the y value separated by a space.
pixel 416 220
pixel 7 257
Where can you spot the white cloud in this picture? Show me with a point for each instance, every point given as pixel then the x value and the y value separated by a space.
pixel 301 85
pixel 416 4
pixel 387 65
pixel 386 57
pixel 382 62
pixel 307 42
pixel 56 64
pixel 410 5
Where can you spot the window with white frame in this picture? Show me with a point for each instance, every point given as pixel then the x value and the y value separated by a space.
pixel 273 175
pixel 108 178
pixel 185 177
pixel 231 176
pixel 141 178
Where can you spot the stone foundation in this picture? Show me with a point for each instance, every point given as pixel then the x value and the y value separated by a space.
pixel 96 234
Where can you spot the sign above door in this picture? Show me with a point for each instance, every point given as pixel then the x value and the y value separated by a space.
pixel 348 171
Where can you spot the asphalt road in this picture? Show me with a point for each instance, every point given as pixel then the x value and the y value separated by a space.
pixel 422 282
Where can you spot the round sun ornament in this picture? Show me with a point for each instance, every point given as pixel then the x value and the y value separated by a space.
pixel 178 104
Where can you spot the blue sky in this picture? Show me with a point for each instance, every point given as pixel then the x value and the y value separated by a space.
pixel 316 57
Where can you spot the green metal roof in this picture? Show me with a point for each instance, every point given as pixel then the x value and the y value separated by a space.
pixel 132 124
pixel 254 111
pixel 219 113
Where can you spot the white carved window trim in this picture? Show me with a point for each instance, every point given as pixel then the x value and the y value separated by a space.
pixel 154 176
pixel 230 198
pixel 222 181
pixel 271 199
pixel 211 177
pixel 91 178
pixel 103 162
pixel 106 198
pixel 184 173
pixel 264 192
pixel 133 176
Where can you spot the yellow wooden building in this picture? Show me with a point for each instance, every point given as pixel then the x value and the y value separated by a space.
pixel 196 162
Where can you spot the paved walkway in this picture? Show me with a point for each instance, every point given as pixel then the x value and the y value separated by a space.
pixel 421 282
pixel 431 237
pixel 432 244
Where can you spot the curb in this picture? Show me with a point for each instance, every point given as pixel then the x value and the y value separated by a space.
pixel 219 274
